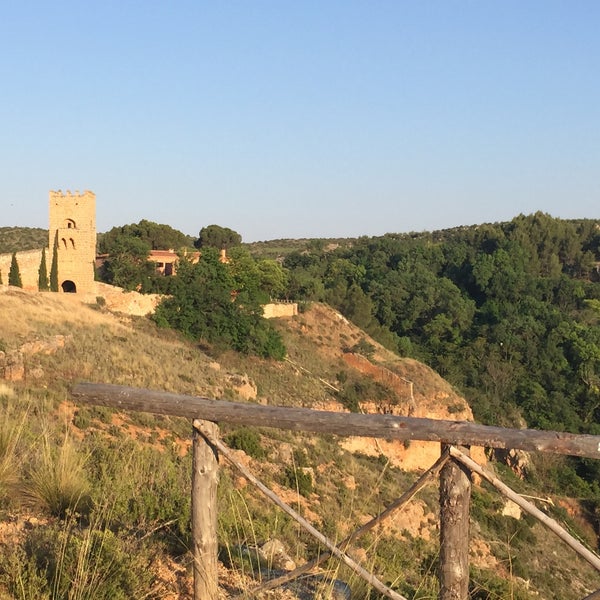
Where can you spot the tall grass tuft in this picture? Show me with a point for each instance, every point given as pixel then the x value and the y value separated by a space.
pixel 58 480
pixel 11 427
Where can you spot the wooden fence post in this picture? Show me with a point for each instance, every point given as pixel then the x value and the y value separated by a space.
pixel 205 476
pixel 455 498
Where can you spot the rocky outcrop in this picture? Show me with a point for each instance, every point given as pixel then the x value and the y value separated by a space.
pixel 13 363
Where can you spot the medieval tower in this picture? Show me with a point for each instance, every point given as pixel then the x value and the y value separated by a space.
pixel 72 227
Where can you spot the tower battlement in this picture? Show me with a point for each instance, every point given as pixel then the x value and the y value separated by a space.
pixel 68 195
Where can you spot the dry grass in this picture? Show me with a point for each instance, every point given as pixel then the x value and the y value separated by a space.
pixel 105 347
pixel 58 480
pixel 12 424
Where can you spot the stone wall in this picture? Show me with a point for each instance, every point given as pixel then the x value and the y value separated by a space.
pixel 280 309
pixel 29 264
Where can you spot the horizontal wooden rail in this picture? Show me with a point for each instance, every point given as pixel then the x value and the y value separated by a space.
pixel 458 433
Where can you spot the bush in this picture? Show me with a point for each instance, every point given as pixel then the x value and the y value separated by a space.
pixel 248 440
pixel 64 562
pixel 299 480
pixel 143 488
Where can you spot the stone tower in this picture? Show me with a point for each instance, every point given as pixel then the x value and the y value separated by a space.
pixel 73 224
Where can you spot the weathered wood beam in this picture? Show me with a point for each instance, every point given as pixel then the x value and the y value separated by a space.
pixel 461 433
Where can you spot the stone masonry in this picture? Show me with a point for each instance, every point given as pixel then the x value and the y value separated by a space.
pixel 72 226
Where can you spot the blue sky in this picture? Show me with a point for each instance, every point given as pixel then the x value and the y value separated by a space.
pixel 286 119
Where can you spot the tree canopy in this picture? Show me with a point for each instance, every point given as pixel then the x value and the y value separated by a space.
pixel 505 311
pixel 154 236
pixel 213 301
pixel 128 248
pixel 215 236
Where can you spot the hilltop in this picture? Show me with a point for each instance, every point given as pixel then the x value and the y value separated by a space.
pixel 131 470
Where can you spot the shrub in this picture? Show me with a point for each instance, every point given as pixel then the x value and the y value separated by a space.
pixel 143 488
pixel 65 562
pixel 299 480
pixel 11 427
pixel 248 440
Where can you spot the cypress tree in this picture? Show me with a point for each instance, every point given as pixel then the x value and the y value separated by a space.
pixel 43 274
pixel 14 276
pixel 54 266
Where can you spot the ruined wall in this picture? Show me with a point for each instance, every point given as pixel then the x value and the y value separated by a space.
pixel 73 224
pixel 29 264
pixel 280 309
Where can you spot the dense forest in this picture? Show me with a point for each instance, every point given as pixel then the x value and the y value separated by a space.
pixel 507 312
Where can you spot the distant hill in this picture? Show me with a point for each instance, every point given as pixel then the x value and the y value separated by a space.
pixel 279 249
pixel 17 239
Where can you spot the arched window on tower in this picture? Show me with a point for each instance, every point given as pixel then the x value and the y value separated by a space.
pixel 64 243
pixel 70 224
pixel 72 243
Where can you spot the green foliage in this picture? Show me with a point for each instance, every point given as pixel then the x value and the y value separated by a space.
pixel 14 275
pixel 298 479
pixel 65 562
pixel 128 248
pixel 272 277
pixel 43 283
pixel 215 236
pixel 486 585
pixel 215 302
pixel 142 487
pixel 248 440
pixel 355 391
pixel 150 235
pixel 22 238
pixel 364 348
pixel 11 429
pixel 506 312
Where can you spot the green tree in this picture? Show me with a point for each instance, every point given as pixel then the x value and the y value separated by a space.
pixel 204 303
pixel 14 276
pixel 215 236
pixel 54 265
pixel 155 236
pixel 127 265
pixel 273 278
pixel 43 284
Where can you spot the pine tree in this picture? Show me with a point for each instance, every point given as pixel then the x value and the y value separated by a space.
pixel 54 266
pixel 14 276
pixel 43 274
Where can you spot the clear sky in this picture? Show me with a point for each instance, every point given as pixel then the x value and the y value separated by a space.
pixel 290 119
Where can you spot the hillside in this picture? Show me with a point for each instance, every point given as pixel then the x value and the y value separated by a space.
pixel 77 482
pixel 17 239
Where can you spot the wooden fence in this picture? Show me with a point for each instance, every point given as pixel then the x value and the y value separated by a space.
pixel 454 468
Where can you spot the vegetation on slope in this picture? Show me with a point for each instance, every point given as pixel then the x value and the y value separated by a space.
pixel 17 239
pixel 95 503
